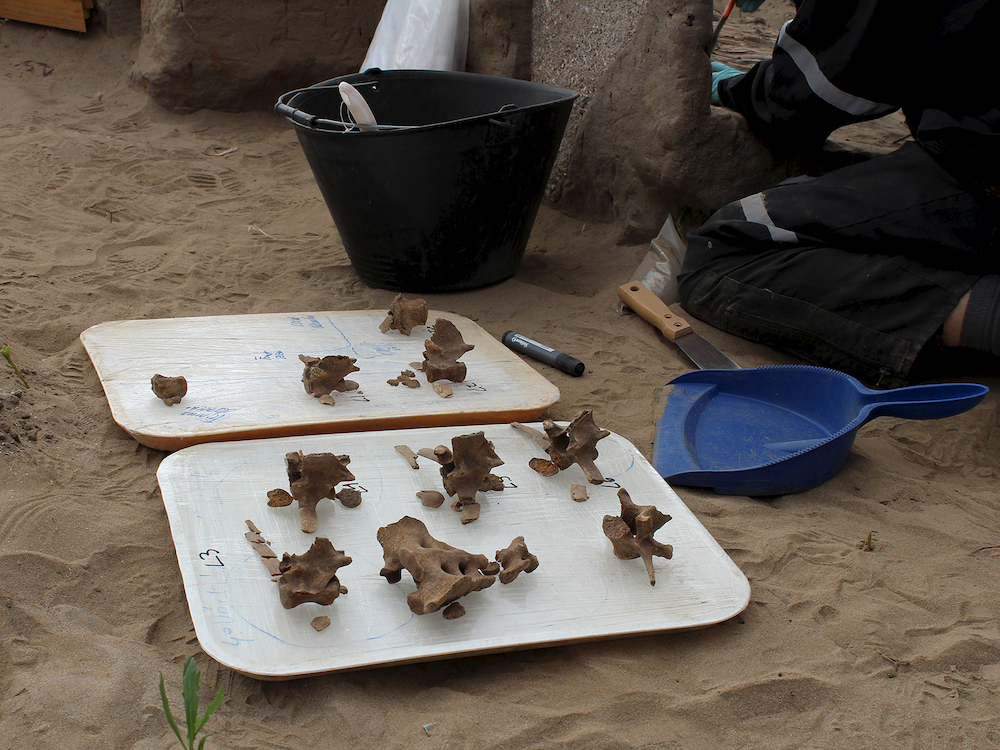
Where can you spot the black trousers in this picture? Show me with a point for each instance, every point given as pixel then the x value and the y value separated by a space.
pixel 855 270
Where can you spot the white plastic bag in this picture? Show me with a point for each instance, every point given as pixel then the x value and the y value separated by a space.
pixel 420 35
pixel 659 269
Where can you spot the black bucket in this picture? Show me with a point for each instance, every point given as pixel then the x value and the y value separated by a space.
pixel 443 194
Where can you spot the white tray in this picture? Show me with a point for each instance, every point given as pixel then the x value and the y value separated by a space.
pixel 245 377
pixel 580 590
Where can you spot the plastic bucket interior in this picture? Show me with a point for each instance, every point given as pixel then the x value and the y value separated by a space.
pixel 444 198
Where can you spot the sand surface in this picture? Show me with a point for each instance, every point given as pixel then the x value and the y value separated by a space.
pixel 112 209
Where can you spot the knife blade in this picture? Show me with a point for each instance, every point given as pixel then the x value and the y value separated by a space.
pixel 651 308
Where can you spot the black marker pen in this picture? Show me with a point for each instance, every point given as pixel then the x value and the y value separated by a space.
pixel 542 353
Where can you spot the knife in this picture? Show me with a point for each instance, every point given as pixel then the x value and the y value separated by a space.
pixel 651 308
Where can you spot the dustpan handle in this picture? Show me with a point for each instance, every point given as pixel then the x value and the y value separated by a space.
pixel 931 401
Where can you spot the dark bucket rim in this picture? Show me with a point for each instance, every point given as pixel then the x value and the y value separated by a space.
pixel 313 123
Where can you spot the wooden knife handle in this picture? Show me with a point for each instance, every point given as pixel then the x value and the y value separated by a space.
pixel 651 308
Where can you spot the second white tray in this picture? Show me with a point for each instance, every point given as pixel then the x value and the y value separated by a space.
pixel 580 590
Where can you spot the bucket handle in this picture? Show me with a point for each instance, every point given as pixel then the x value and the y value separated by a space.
pixel 312 121
pixel 504 123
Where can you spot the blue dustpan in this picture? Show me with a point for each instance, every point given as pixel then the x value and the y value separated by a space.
pixel 775 430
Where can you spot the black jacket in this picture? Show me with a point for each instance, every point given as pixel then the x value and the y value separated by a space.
pixel 839 62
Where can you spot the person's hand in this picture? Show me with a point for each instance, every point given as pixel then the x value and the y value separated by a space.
pixel 749 5
pixel 720 73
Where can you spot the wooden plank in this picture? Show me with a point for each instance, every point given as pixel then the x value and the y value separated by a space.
pixel 60 14
pixel 245 378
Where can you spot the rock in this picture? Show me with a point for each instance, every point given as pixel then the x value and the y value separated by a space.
pixel 651 145
pixel 500 38
pixel 238 56
pixel 119 17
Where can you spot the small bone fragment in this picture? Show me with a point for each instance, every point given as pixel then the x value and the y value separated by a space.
pixel 322 376
pixel 262 548
pixel 349 497
pixel 430 453
pixel 312 477
pixel 574 444
pixel 578 492
pixel 405 315
pixel 453 611
pixel 418 366
pixel 405 378
pixel 312 577
pixel 273 567
pixel 631 534
pixel 468 471
pixel 544 467
pixel 442 573
pixel 327 399
pixel 430 498
pixel 442 351
pixel 170 390
pixel 469 512
pixel 320 623
pixel 260 545
pixel 465 470
pixel 539 437
pixel 279 498
pixel 407 453
pixel 515 559
pixel 443 389
pixel 492 482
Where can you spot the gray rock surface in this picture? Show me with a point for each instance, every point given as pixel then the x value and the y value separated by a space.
pixel 119 17
pixel 500 38
pixel 239 56
pixel 650 144
pixel 573 45
pixel 649 141
pixel 233 55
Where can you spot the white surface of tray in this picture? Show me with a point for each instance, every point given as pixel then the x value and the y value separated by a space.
pixel 245 377
pixel 580 590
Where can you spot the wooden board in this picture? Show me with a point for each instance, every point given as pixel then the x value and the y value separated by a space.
pixel 245 377
pixel 579 592
pixel 61 14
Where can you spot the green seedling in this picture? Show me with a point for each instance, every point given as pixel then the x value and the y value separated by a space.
pixel 868 545
pixel 5 351
pixel 193 723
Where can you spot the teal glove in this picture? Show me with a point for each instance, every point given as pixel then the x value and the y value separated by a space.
pixel 720 73
pixel 749 5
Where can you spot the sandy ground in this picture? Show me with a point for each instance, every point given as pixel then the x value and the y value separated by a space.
pixel 112 209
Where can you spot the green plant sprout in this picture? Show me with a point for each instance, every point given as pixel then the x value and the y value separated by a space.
pixel 5 351
pixel 868 545
pixel 193 723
